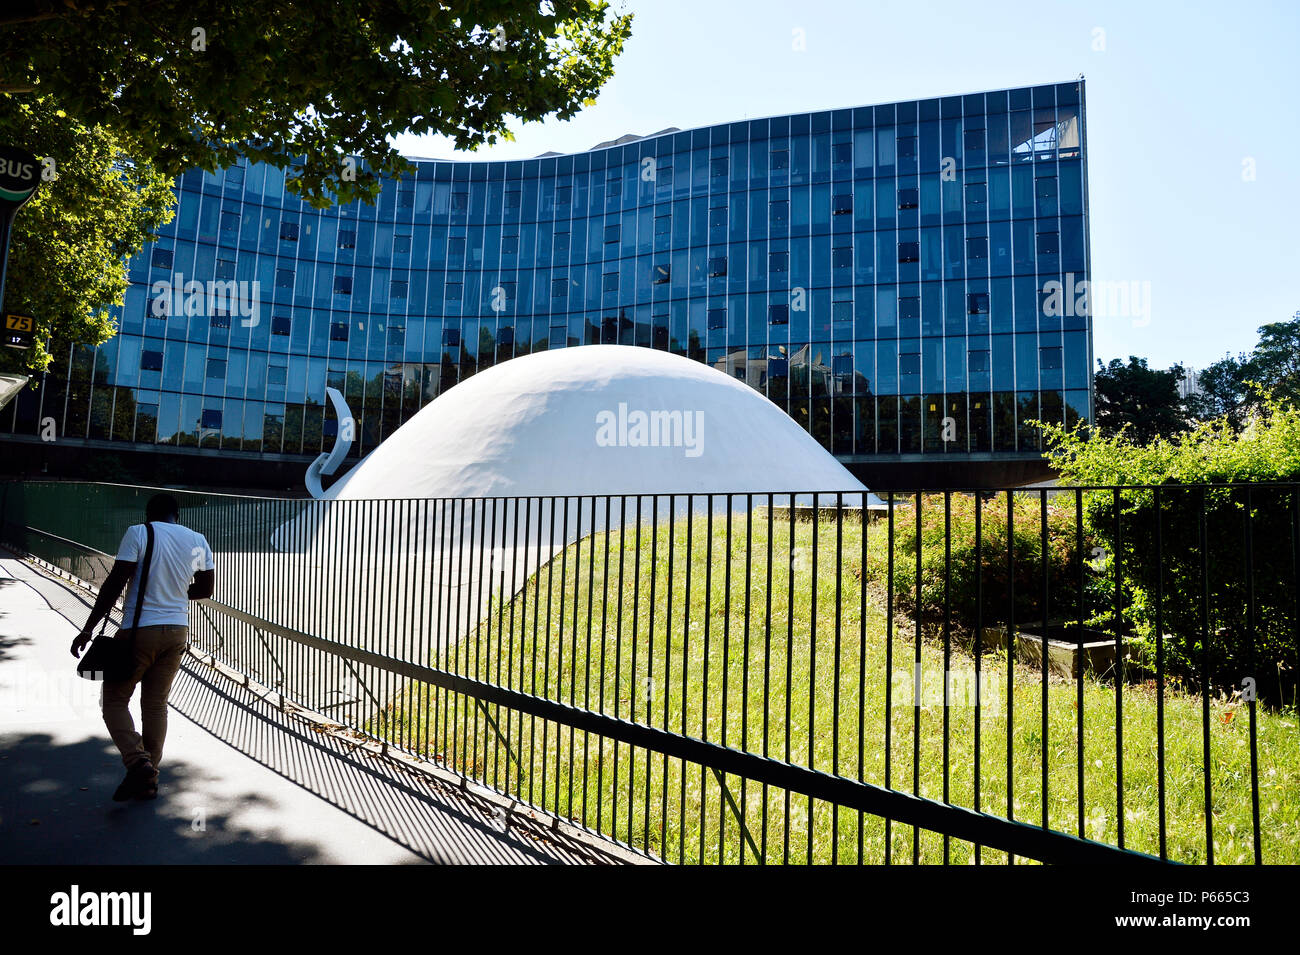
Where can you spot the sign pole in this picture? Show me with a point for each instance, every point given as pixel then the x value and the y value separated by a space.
pixel 20 177
pixel 7 213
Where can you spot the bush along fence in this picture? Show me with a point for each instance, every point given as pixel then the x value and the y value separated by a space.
pixel 1073 674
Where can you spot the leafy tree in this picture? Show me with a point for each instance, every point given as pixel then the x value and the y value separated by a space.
pixel 1274 365
pixel 1223 391
pixel 71 242
pixel 304 85
pixel 1233 387
pixel 1143 399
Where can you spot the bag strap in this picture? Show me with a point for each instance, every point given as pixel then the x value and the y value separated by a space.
pixel 144 577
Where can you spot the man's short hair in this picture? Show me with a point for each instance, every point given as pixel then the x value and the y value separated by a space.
pixel 162 507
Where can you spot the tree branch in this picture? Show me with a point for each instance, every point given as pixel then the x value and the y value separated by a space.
pixel 34 18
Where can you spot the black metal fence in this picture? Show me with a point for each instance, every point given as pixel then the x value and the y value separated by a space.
pixel 1082 674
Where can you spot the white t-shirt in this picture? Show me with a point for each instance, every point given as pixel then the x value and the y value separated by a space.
pixel 178 553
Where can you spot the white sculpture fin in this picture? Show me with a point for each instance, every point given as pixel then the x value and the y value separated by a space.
pixel 328 463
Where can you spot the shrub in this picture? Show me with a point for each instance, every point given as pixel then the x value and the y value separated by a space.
pixel 985 568
pixel 1252 629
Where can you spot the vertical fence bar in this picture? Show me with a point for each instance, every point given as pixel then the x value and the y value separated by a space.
pixel 284 585
pixel 1295 588
pixel 507 595
pixel 573 647
pixel 686 656
pixel 889 672
pixel 1011 660
pixel 916 683
pixel 618 651
pixel 1248 517
pixel 476 622
pixel 632 673
pixel 446 593
pixel 555 625
pixel 947 649
pixel 407 603
pixel 546 650
pixel 465 552
pixel 483 631
pixel 1116 564
pixel 1160 674
pixel 428 639
pixel 420 631
pixel 586 681
pixel 382 619
pixel 726 668
pixel 389 621
pixel 1042 520
pixel 862 665
pixel 522 584
pixel 1078 659
pixel 348 614
pixel 767 665
pixel 744 678
pixel 704 675
pixel 789 664
pixel 812 665
pixel 600 674
pixel 650 662
pixel 537 612
pixel 446 583
pixel 528 582
pixel 1205 676
pixel 835 669
pixel 979 651
pixel 367 634
pixel 668 656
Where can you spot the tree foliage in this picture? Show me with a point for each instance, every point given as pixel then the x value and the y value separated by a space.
pixel 71 242
pixel 1232 387
pixel 1223 392
pixel 304 85
pixel 1145 400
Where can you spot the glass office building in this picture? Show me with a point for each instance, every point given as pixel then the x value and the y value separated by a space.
pixel 882 273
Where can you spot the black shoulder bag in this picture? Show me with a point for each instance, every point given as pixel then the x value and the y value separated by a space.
pixel 113 658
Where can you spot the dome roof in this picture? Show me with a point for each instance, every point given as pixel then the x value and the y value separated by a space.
pixel 596 419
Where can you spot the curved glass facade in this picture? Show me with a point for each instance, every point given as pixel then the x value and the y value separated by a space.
pixel 881 273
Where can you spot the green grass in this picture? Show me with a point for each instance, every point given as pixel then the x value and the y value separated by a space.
pixel 769 687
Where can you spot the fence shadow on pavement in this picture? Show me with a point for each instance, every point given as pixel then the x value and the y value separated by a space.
pixel 436 821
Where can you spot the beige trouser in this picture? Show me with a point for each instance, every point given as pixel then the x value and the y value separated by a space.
pixel 158 652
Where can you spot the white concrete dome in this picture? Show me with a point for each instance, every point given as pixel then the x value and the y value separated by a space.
pixel 596 419
pixel 455 491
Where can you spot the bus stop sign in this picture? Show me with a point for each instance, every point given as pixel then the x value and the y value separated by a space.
pixel 20 174
pixel 20 177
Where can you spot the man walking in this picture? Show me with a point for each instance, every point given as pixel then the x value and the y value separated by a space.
pixel 179 570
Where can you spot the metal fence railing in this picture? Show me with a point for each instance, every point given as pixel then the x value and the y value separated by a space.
pixel 1070 674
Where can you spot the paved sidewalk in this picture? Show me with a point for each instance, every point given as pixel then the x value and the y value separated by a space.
pixel 241 781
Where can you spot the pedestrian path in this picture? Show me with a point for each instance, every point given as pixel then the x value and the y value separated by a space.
pixel 242 782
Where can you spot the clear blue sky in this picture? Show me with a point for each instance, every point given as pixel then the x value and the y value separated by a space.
pixel 1179 97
